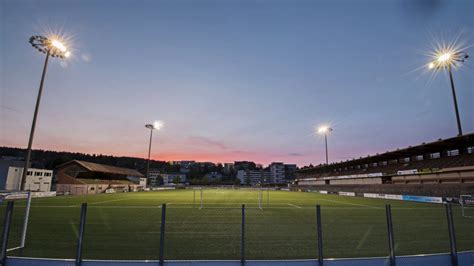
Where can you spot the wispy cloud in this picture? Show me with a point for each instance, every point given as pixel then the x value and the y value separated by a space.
pixel 5 107
pixel 203 141
pixel 295 154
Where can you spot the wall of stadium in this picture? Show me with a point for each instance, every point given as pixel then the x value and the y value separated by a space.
pixel 449 175
pixel 443 176
pixel 369 181
pixel 435 190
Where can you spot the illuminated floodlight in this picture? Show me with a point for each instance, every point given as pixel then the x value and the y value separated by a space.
pixel 157 125
pixel 59 45
pixel 449 58
pixel 54 47
pixel 324 129
pixel 444 57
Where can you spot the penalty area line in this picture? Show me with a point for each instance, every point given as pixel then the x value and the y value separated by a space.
pixel 353 204
pixel 293 205
pixel 105 201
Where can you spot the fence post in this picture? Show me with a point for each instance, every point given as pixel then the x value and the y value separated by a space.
pixel 162 234
pixel 319 227
pixel 391 241
pixel 242 239
pixel 25 220
pixel 80 238
pixel 6 232
pixel 452 235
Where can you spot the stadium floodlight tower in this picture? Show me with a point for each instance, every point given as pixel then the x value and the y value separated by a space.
pixel 448 59
pixel 156 125
pixel 325 130
pixel 54 47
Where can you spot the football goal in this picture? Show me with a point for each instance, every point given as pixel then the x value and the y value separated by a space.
pixel 219 197
pixel 21 214
pixel 467 205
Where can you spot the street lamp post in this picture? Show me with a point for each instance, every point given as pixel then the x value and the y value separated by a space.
pixel 325 130
pixel 54 48
pixel 156 125
pixel 448 60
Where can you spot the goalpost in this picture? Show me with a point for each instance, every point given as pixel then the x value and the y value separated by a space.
pixel 467 205
pixel 261 197
pixel 24 228
pixel 198 191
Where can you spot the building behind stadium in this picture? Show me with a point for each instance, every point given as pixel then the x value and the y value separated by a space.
pixel 11 170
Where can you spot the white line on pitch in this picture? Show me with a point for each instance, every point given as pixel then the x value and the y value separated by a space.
pixel 99 202
pixel 293 205
pixel 354 204
pixel 364 237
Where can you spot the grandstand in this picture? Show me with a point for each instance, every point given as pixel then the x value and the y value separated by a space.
pixel 444 168
pixel 80 177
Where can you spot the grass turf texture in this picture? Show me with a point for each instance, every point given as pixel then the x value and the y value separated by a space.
pixel 127 226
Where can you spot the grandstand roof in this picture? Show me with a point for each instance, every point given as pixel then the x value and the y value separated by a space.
pixel 101 181
pixel 102 168
pixel 459 142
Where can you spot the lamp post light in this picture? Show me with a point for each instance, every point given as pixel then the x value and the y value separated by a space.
pixel 51 47
pixel 156 125
pixel 448 60
pixel 325 130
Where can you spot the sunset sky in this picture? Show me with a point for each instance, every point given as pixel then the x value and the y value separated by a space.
pixel 234 80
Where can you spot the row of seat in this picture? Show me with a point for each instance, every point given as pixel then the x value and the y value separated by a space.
pixel 422 165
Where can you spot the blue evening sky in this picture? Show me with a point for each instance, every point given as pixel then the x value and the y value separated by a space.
pixel 234 80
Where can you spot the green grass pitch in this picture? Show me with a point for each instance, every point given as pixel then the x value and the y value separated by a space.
pixel 127 226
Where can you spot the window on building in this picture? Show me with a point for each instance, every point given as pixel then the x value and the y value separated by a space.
pixel 29 173
pixel 419 157
pixel 435 155
pixel 38 173
pixel 453 153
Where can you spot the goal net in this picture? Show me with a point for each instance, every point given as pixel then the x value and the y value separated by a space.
pixel 222 197
pixel 20 217
pixel 467 205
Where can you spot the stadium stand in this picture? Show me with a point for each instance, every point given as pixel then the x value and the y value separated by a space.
pixel 80 177
pixel 449 161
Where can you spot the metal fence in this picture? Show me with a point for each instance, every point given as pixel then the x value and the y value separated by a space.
pixel 240 243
